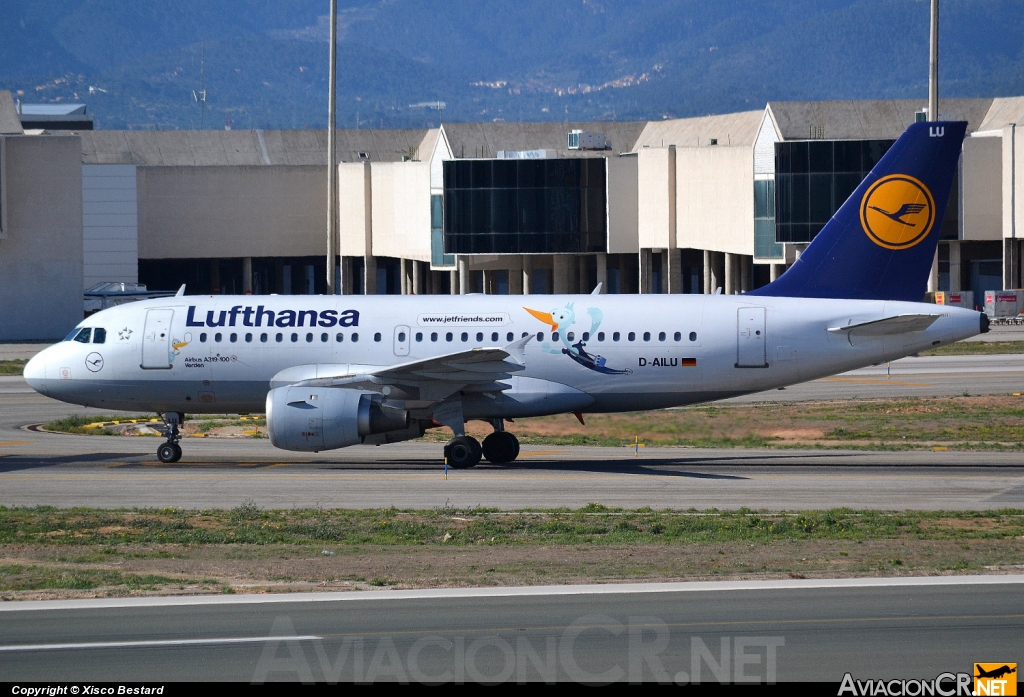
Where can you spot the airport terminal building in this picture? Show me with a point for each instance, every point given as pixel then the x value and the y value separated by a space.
pixel 675 206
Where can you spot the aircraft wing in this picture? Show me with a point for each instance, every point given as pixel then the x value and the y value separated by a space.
pixel 431 380
pixel 900 324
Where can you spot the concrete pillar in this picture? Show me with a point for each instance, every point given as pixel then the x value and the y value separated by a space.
pixel 464 277
pixel 247 275
pixel 527 274
pixel 954 267
pixel 369 275
pixel 746 273
pixel 490 285
pixel 515 282
pixel 417 277
pixel 345 287
pixel 453 282
pixel 730 273
pixel 402 277
pixel 933 275
pixel 602 271
pixel 709 263
pixel 645 269
pixel 584 267
pixel 673 262
pixel 560 271
pixel 776 271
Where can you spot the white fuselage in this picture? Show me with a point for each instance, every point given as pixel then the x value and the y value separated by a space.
pixel 219 354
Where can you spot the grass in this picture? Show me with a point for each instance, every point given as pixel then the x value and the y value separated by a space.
pixel 13 367
pixel 976 348
pixel 247 525
pixel 25 577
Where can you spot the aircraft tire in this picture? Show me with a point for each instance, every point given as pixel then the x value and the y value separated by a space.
pixel 462 452
pixel 168 453
pixel 501 447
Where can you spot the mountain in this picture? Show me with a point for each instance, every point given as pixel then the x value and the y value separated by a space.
pixel 264 62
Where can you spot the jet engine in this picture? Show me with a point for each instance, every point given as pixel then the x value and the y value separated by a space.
pixel 312 419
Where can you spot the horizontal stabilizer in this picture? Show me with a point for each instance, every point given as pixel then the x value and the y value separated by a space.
pixel 900 324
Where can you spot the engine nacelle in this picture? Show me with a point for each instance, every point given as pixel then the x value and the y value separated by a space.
pixel 312 419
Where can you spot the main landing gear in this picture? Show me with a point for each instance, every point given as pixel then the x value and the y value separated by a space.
pixel 170 451
pixel 500 447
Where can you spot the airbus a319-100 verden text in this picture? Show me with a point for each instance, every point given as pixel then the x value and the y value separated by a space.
pixel 334 371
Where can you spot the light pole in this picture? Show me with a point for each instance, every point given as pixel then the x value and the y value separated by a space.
pixel 933 114
pixel 332 164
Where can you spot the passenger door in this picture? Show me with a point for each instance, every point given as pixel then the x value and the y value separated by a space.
pixel 750 339
pixel 156 340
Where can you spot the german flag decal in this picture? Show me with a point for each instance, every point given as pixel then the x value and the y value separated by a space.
pixel 689 362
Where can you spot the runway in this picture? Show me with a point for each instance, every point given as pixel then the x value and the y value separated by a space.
pixel 67 470
pixel 733 631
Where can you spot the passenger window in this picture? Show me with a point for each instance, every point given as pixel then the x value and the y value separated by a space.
pixel 586 336
pixel 554 336
pixel 465 336
pixel 647 336
pixel 202 338
pixel 540 336
pixel 324 338
pixel 510 337
pixel 678 336
pixel 615 336
pixel 480 336
pixel 661 336
pixel 376 336
pixel 433 336
pixel 693 336
pixel 280 337
pixel 218 337
pixel 248 338
pixel 448 336
pixel 99 336
pixel 494 336
pixel 263 338
pixel 631 336
pixel 295 337
pixel 339 337
pixel 600 336
pixel 234 337
pixel 525 334
pixel 355 337
pixel 309 337
pixel 570 336
pixel 419 337
pixel 401 336
pixel 83 336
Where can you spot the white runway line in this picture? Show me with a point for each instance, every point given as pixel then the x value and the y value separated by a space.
pixel 511 591
pixel 154 642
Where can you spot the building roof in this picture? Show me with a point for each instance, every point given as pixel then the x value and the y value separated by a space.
pixel 10 124
pixel 1003 112
pixel 867 119
pixel 241 148
pixel 486 139
pixel 52 109
pixel 729 129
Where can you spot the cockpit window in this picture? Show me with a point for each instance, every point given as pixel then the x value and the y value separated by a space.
pixel 99 336
pixel 72 335
pixel 83 335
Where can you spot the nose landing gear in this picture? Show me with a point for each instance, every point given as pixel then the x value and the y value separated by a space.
pixel 170 451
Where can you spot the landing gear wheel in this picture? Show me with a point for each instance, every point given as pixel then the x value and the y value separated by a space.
pixel 168 452
pixel 501 447
pixel 462 452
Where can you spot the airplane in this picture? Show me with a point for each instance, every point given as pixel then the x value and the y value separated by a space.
pixel 335 371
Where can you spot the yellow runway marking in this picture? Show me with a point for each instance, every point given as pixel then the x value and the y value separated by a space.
pixel 541 452
pixel 17 442
pixel 880 382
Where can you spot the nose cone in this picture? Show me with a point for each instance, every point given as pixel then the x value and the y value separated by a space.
pixel 35 373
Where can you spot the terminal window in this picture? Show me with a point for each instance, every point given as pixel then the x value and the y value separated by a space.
pixel 814 178
pixel 525 206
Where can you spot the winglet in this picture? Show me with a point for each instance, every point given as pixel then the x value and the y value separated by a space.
pixel 181 291
pixel 597 289
pixel 516 348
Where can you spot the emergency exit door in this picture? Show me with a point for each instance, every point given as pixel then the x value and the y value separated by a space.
pixel 156 340
pixel 750 339
pixel 402 341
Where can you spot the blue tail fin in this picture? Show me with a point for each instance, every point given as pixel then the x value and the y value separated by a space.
pixel 881 243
